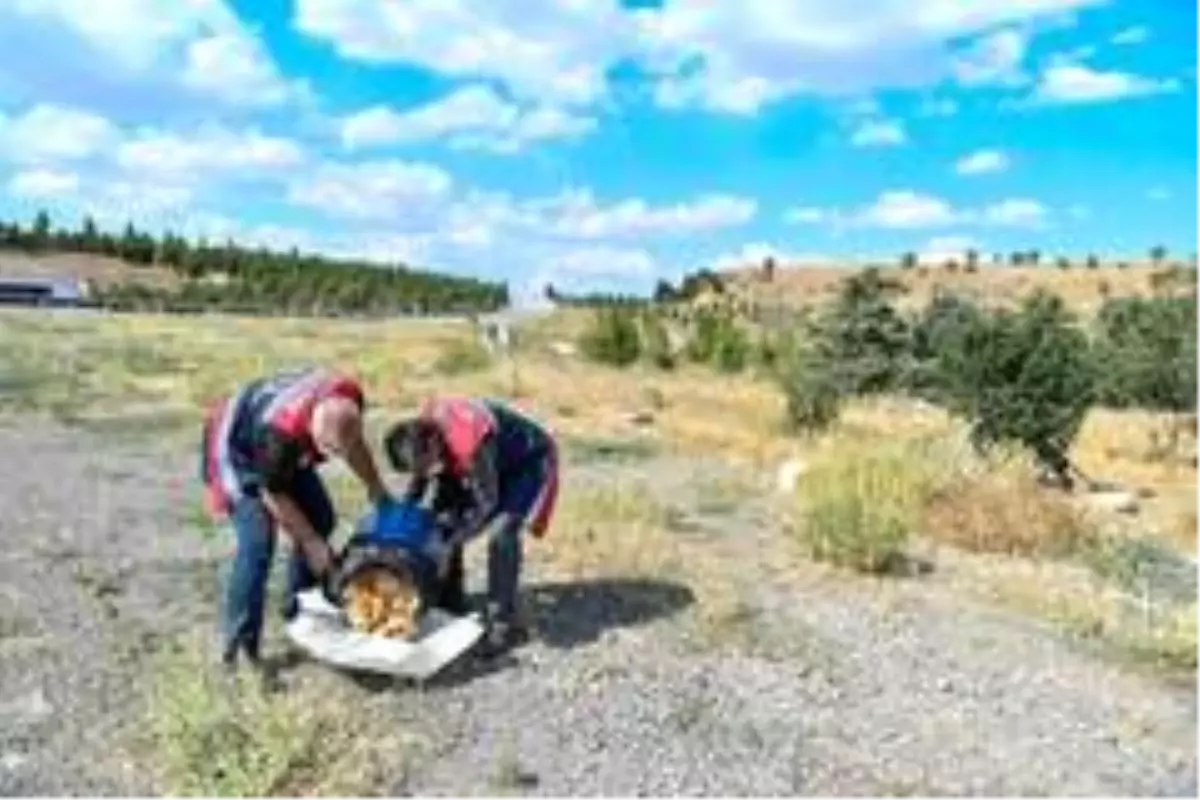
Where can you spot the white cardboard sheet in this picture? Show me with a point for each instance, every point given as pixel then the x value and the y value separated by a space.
pixel 322 630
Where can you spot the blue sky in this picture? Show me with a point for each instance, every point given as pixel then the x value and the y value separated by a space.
pixel 601 144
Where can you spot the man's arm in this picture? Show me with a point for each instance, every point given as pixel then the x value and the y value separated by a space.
pixel 281 460
pixel 291 518
pixel 358 457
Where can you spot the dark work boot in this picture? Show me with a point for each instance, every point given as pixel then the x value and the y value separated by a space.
pixel 503 632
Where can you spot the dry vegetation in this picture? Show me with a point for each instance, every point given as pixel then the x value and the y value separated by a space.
pixel 1083 288
pixel 886 477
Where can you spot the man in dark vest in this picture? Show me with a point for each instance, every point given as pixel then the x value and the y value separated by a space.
pixel 260 452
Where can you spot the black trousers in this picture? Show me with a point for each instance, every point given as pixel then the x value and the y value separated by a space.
pixel 452 595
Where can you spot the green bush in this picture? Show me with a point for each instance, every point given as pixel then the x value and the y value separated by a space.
pixel 1148 349
pixel 941 330
pixel 813 392
pixel 864 336
pixel 656 342
pixel 613 338
pixel 719 341
pixel 1025 377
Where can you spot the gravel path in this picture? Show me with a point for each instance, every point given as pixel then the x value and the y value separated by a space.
pixel 835 687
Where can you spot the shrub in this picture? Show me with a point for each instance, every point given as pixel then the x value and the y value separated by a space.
pixel 864 336
pixel 860 506
pixel 1148 349
pixel 943 328
pixel 814 396
pixel 718 340
pixel 1026 377
pixel 613 338
pixel 657 343
pixel 732 349
pixel 461 357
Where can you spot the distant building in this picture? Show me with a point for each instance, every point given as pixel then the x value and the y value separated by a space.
pixel 41 292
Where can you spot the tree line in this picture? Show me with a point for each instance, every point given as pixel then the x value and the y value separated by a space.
pixel 1026 376
pixel 229 276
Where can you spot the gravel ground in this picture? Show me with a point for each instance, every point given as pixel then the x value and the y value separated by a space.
pixel 839 687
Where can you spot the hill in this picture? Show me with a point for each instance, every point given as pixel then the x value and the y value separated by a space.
pixel 138 270
pixel 1083 286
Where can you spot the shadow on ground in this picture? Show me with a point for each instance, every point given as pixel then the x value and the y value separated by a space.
pixel 563 616
pixel 568 615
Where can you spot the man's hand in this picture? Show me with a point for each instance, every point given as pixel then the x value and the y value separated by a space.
pixel 316 551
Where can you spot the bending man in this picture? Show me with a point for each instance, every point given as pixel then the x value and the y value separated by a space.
pixel 261 448
pixel 487 468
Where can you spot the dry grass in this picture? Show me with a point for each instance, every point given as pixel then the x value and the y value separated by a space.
pixel 1004 285
pixel 1072 599
pixel 1009 514
pixel 861 504
pixel 81 365
pixel 217 736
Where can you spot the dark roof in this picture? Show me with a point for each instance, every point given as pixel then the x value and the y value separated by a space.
pixel 62 288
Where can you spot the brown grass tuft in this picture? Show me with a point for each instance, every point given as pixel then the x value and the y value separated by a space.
pixel 1006 515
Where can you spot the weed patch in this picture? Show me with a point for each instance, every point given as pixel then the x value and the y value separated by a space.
pixel 216 735
pixel 859 506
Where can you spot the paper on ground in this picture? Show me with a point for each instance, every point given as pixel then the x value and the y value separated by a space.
pixel 323 631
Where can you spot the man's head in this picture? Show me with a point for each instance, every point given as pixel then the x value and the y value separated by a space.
pixel 336 425
pixel 414 445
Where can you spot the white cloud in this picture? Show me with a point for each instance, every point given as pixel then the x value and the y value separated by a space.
pixel 201 44
pixel 1133 35
pixel 578 215
pixel 994 60
pixel 371 190
pixel 732 57
pixel 558 53
pixel 982 162
pixel 1079 212
pixel 753 254
pixel 54 133
pixel 37 184
pixel 473 117
pixel 606 262
pixel 940 249
pixel 879 133
pixel 205 151
pixel 234 67
pixel 805 215
pixel 1069 83
pixel 905 209
pixel 1159 193
pixel 1016 212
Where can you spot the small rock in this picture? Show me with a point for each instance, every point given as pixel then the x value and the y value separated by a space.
pixel 945 685
pixel 1117 502
pixel 11 762
pixel 640 418
pixel 788 475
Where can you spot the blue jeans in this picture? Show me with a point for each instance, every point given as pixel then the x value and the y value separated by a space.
pixel 245 594
pixel 519 492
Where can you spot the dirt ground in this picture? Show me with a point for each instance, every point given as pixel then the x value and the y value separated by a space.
pixel 816 686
